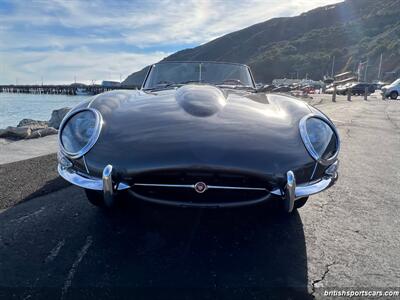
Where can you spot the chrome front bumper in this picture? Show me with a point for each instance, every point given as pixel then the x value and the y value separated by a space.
pixel 289 193
pixel 87 182
pixel 311 188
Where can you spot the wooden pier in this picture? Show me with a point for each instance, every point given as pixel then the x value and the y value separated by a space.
pixel 61 89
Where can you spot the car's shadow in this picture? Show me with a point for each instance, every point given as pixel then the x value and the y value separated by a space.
pixel 253 251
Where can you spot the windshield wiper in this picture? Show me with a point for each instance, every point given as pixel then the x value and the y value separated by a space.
pixel 172 84
pixel 190 81
pixel 235 84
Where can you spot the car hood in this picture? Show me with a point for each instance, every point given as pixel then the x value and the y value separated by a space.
pixel 199 126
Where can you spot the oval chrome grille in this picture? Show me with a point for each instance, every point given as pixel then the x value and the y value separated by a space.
pixel 200 187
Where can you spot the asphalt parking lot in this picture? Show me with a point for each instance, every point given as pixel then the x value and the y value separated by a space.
pixel 58 245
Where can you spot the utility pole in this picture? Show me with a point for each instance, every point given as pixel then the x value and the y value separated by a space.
pixel 366 68
pixel 380 68
pixel 75 79
pixel 120 76
pixel 42 80
pixel 333 66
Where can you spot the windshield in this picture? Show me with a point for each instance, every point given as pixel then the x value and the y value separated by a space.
pixel 396 82
pixel 177 73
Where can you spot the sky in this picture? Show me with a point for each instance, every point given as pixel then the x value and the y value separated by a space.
pixel 61 41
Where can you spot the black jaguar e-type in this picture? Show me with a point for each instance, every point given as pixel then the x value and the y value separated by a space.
pixel 198 134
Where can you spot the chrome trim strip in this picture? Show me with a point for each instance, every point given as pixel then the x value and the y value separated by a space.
pixel 108 189
pixel 147 76
pixel 307 143
pixel 88 182
pixel 189 186
pixel 315 169
pixel 208 186
pixel 236 188
pixel 93 138
pixel 84 162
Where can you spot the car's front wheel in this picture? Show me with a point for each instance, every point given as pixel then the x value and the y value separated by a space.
pixel 300 202
pixel 97 199
pixel 393 95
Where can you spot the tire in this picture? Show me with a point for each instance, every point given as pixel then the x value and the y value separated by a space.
pixel 299 203
pixel 96 198
pixel 393 95
pixel 280 206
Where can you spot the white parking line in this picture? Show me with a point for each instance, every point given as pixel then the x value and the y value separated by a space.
pixel 71 273
pixel 35 213
pixel 54 252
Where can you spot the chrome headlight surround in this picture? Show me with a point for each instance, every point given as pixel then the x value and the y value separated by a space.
pixel 309 146
pixel 91 141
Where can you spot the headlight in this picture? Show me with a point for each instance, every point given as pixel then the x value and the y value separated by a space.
pixel 320 138
pixel 79 131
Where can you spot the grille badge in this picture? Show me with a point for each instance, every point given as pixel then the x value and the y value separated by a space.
pixel 200 187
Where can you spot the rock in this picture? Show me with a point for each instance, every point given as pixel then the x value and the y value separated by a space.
pixel 57 116
pixel 15 132
pixel 28 128
pixel 33 124
pixel 43 132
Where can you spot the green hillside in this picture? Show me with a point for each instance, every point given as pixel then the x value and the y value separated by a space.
pixel 351 31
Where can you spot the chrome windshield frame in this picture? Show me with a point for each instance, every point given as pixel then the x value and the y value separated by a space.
pixel 197 62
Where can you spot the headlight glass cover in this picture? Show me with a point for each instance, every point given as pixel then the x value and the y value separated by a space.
pixel 80 132
pixel 320 139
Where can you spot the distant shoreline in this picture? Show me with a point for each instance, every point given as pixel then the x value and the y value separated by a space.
pixel 72 89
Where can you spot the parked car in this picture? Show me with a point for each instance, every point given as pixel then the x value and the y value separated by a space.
pixel 392 90
pixel 198 134
pixel 378 85
pixel 358 88
pixel 342 89
pixel 329 89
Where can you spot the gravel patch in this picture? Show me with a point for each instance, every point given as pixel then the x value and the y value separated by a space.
pixel 29 178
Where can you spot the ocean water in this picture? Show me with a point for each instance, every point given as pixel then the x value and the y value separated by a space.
pixel 15 107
